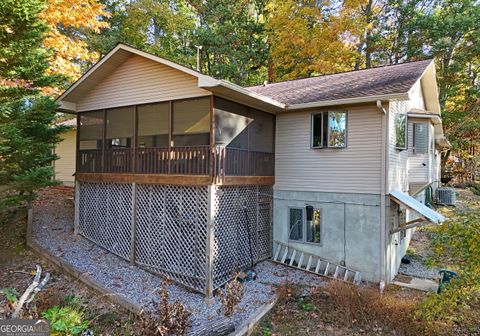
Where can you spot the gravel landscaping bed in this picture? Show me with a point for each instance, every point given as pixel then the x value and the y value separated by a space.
pixel 52 229
pixel 418 252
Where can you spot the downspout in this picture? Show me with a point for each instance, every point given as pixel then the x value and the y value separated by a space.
pixel 383 192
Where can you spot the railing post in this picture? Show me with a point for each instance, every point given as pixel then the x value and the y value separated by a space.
pixel 210 243
pixel 76 221
pixel 133 227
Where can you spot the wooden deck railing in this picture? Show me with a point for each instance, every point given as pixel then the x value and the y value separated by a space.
pixel 192 160
pixel 89 161
pixel 242 162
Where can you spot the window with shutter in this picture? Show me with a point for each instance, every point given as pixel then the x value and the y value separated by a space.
pixel 420 138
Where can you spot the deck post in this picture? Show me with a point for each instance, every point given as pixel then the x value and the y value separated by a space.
pixel 77 208
pixel 133 227
pixel 212 189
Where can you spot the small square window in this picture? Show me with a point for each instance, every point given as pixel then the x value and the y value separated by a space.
pixel 304 231
pixel 329 130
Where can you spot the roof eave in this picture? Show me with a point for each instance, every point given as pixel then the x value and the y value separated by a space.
pixel 236 92
pixel 347 101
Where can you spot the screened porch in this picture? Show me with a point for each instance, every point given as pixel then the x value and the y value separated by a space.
pixel 207 136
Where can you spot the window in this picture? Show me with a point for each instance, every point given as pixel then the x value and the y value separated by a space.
pixel 191 122
pixel 313 227
pixel 119 127
pixel 302 230
pixel 296 224
pixel 401 131
pixel 153 125
pixel 329 129
pixel 420 138
pixel 90 130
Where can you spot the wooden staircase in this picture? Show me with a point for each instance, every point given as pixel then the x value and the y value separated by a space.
pixel 289 256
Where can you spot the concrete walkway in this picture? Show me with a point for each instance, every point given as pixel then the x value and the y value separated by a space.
pixel 425 285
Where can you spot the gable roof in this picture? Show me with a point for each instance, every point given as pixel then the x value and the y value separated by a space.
pixel 382 81
pixel 360 86
pixel 122 52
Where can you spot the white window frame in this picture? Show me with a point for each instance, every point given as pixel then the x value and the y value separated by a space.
pixel 406 132
pixel 414 133
pixel 304 226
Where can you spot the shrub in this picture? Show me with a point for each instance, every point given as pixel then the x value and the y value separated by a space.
pixel 231 296
pixel 456 244
pixel 167 319
pixel 65 320
pixel 11 294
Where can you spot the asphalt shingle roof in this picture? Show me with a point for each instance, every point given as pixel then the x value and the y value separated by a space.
pixel 392 79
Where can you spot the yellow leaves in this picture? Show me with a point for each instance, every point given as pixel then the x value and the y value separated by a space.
pixel 305 40
pixel 70 50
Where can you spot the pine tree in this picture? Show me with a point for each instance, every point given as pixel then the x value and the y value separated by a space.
pixel 27 135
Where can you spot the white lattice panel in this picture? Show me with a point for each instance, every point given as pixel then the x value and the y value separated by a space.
pixel 171 227
pixel 172 232
pixel 105 215
pixel 242 229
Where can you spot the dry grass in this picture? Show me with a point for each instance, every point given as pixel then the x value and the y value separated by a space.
pixel 343 309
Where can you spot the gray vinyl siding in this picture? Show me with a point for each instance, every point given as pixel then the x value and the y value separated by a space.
pixel 354 169
pixel 139 80
pixel 397 159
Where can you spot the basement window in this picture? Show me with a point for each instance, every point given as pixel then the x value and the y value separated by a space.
pixel 329 130
pixel 301 230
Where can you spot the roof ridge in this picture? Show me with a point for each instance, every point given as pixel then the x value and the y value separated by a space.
pixel 339 73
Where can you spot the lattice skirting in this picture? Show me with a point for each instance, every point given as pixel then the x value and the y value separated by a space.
pixel 165 228
pixel 242 229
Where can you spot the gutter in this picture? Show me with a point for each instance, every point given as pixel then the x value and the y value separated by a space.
pixel 383 191
pixel 347 101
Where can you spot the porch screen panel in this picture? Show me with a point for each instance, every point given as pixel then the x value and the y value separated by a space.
pixel 119 127
pixel 191 122
pixel 231 124
pixel 119 137
pixel 90 142
pixel 262 129
pixel 153 125
pixel 91 130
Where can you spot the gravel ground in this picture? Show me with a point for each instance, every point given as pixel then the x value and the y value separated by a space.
pixel 418 269
pixel 52 229
pixel 418 252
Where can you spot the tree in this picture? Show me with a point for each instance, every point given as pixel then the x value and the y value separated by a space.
pixel 162 27
pixel 307 38
pixel 452 36
pixel 233 40
pixel 69 22
pixel 27 136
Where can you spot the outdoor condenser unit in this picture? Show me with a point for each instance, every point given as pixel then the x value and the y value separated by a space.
pixel 446 196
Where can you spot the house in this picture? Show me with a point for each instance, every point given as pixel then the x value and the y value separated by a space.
pixel 193 177
pixel 64 167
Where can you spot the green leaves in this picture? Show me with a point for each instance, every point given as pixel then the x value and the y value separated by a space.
pixel 65 320
pixel 27 133
pixel 11 294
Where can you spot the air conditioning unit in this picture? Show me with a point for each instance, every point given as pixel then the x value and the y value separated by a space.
pixel 446 196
